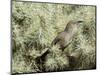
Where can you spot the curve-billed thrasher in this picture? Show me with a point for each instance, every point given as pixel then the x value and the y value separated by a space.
pixel 64 37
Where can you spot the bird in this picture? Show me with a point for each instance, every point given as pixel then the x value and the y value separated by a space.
pixel 64 38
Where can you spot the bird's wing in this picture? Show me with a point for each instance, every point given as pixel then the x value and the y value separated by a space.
pixel 58 39
pixel 55 41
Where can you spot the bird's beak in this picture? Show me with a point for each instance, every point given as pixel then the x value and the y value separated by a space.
pixel 79 21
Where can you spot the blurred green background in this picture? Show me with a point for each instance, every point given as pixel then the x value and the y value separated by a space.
pixel 35 25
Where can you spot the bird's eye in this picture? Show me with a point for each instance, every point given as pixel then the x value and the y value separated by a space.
pixel 86 30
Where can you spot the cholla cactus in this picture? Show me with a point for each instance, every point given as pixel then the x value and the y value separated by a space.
pixel 35 25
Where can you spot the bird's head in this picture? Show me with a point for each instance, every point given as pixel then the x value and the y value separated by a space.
pixel 76 22
pixel 73 24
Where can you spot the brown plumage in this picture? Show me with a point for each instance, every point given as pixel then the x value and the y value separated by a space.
pixel 64 37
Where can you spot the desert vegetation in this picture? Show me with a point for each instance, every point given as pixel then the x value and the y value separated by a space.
pixel 35 25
